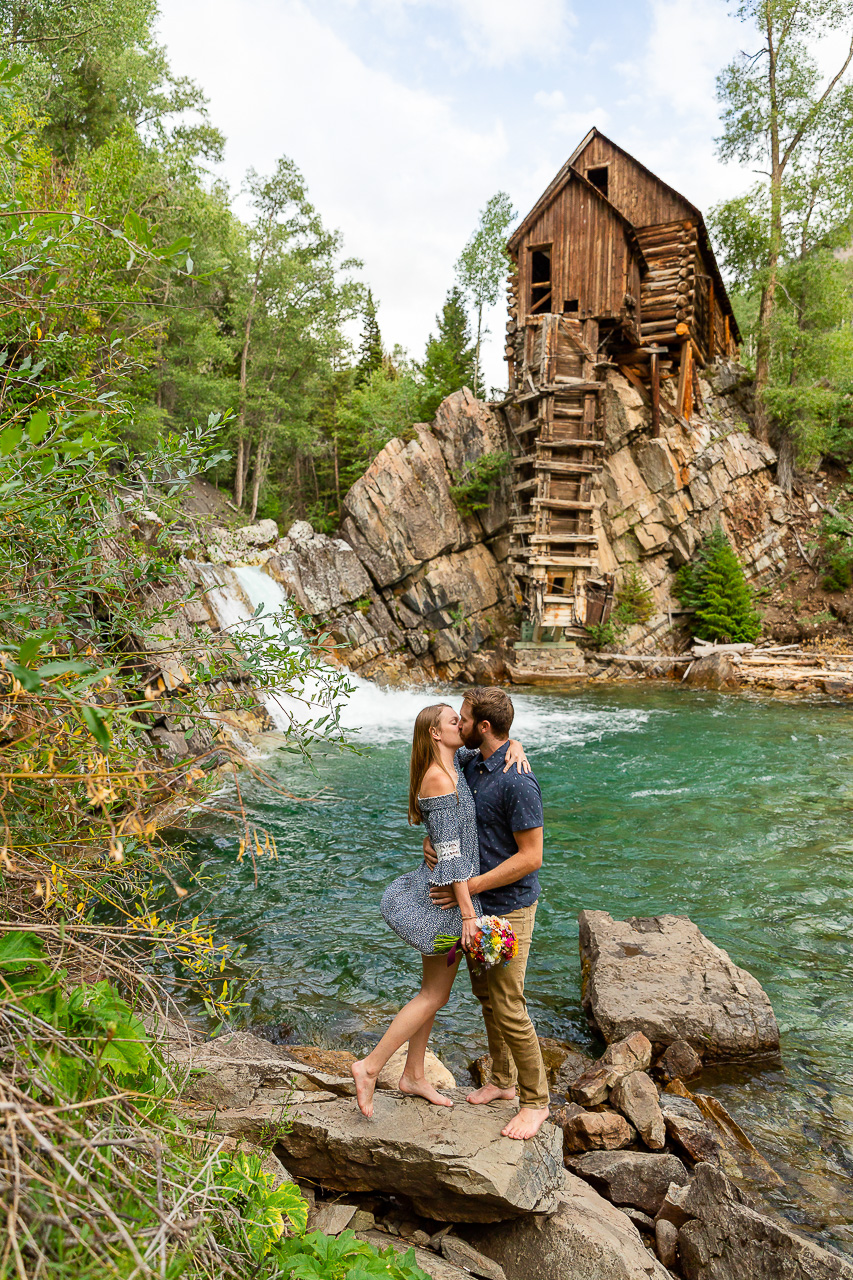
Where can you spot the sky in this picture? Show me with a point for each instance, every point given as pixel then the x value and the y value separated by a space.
pixel 405 116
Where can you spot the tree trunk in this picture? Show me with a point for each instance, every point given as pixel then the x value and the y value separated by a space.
pixel 337 478
pixel 247 462
pixel 768 293
pixel 262 457
pixel 477 351
pixel 242 451
pixel 786 455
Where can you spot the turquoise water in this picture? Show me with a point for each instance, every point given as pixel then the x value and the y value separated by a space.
pixel 733 811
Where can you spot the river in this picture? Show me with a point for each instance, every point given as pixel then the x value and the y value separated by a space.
pixel 733 811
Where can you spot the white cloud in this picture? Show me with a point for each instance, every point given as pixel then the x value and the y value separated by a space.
pixel 550 101
pixel 498 32
pixel 389 164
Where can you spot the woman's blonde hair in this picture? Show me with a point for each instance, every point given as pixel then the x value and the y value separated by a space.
pixel 424 754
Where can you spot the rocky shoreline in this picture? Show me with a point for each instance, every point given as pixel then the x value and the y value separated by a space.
pixel 635 1176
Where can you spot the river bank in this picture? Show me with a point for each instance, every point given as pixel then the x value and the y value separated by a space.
pixel 730 810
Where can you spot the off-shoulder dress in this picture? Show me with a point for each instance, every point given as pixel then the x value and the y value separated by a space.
pixel 406 906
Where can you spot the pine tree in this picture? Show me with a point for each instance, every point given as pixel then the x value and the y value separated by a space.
pixel 449 359
pixel 370 351
pixel 717 587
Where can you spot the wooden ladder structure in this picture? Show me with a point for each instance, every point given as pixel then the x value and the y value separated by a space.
pixel 553 548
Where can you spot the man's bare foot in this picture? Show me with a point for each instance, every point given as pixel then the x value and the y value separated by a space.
pixel 365 1084
pixel 527 1123
pixel 490 1093
pixel 423 1089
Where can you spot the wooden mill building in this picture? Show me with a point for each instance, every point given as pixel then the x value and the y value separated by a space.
pixel 612 267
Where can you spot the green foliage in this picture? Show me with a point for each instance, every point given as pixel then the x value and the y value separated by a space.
pixel 97 1161
pixel 602 634
pixel 475 487
pixel 370 353
pixel 320 1257
pixel 714 585
pixel 789 120
pixel 385 406
pixel 836 545
pixel 85 599
pixel 264 1209
pixel 483 264
pixel 634 600
pixel 449 361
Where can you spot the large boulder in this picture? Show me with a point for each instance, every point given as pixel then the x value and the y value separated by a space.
pixel 713 671
pixel 321 573
pixel 727 1238
pixel 400 515
pixel 585 1239
pixel 638 1178
pixel 451 1165
pixel 662 976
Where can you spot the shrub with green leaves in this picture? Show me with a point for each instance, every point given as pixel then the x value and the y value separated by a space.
pixel 634 600
pixel 715 586
pixel 473 490
pixel 836 546
pixel 345 1257
pixel 100 1178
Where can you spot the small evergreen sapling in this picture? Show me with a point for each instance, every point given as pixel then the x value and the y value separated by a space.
pixel 716 587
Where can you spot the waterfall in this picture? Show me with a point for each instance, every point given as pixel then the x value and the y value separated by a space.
pixel 380 715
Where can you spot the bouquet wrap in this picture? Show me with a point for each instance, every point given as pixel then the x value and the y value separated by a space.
pixel 495 944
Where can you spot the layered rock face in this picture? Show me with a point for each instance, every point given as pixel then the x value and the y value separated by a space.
pixel 657 498
pixel 440 574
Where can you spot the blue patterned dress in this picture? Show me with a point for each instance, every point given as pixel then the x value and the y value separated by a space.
pixel 451 822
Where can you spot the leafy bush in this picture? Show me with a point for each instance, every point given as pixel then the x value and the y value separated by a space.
pixel 99 1176
pixel 634 600
pixel 321 1257
pixel 472 491
pixel 714 585
pixel 836 544
pixel 602 634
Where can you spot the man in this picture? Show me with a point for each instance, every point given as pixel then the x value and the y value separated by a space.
pixel 509 825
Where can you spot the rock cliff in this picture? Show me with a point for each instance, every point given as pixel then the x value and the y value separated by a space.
pixel 657 498
pixel 418 586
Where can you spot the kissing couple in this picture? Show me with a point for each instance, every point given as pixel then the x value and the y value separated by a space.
pixel 471 786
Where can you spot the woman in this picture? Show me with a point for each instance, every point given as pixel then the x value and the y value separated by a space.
pixel 440 797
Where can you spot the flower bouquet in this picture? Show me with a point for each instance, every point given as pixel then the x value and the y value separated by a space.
pixel 494 945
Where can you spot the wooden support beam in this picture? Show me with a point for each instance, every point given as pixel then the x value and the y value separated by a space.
pixel 655 372
pixel 565 504
pixel 565 468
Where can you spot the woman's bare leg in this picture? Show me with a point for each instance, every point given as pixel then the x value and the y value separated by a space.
pixel 409 1022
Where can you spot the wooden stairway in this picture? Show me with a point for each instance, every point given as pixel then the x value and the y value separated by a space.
pixel 553 548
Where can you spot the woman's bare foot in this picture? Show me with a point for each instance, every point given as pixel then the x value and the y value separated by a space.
pixel 423 1089
pixel 527 1123
pixel 490 1093
pixel 365 1084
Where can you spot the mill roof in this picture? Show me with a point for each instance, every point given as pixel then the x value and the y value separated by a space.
pixel 569 172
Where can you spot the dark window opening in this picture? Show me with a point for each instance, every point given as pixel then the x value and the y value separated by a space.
pixel 598 178
pixel 540 279
pixel 570 307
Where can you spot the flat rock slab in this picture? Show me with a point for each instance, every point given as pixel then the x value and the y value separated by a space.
pixel 585 1239
pixel 662 976
pixel 451 1164
pixel 637 1178
pixel 728 1239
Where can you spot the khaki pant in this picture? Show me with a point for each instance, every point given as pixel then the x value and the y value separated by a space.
pixel 516 1056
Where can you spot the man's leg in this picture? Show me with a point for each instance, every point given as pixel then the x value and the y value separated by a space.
pixel 508 1009
pixel 504 1076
